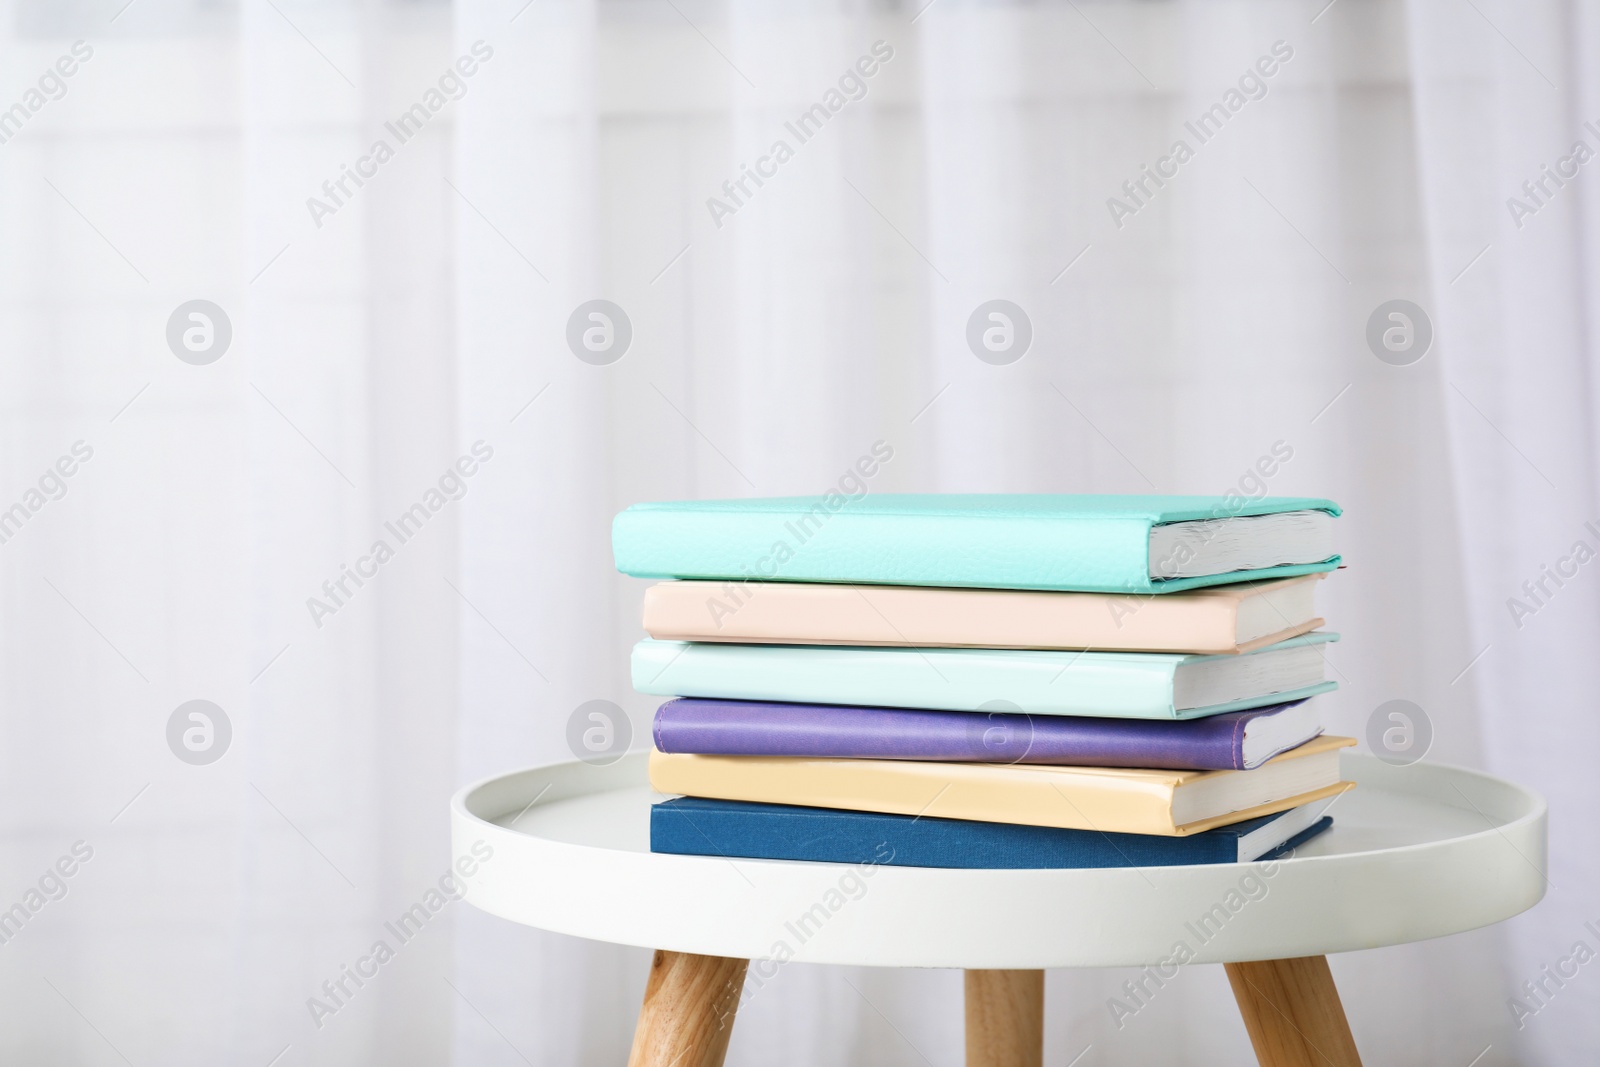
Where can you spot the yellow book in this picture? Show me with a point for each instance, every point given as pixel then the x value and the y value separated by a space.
pixel 1109 799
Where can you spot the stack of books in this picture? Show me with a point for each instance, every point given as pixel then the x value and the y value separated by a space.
pixel 986 681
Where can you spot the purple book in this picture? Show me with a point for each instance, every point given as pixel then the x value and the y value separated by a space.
pixel 1238 740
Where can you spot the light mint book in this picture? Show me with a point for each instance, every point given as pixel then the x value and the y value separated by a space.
pixel 1128 685
pixel 1099 544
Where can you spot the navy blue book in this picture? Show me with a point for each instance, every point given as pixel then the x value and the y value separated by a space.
pixel 695 826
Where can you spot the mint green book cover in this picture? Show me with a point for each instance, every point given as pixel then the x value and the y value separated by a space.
pixel 1097 544
pixel 1123 685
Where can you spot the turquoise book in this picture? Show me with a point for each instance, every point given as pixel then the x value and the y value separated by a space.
pixel 1066 542
pixel 1127 685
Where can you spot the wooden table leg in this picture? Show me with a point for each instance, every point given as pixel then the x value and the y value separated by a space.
pixel 1005 1018
pixel 1293 1014
pixel 687 1016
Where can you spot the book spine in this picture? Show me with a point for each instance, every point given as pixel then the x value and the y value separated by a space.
pixel 1108 685
pixel 739 728
pixel 700 828
pixel 840 540
pixel 958 791
pixel 829 614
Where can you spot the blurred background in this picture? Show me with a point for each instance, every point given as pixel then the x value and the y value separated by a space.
pixel 369 315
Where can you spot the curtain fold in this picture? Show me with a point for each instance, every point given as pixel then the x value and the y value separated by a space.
pixel 1501 99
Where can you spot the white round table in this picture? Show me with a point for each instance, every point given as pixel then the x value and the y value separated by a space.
pixel 1415 852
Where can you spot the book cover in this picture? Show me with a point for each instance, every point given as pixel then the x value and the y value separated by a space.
pixel 1129 685
pixel 827 731
pixel 1030 541
pixel 1113 799
pixel 1201 620
pixel 693 826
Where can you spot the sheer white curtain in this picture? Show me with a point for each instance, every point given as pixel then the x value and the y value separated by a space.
pixel 1502 99
pixel 176 165
pixel 379 336
pixel 1226 316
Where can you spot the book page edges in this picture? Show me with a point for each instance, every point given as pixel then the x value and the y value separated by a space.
pixel 1261 809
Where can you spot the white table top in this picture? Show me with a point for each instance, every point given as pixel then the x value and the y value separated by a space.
pixel 1415 852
